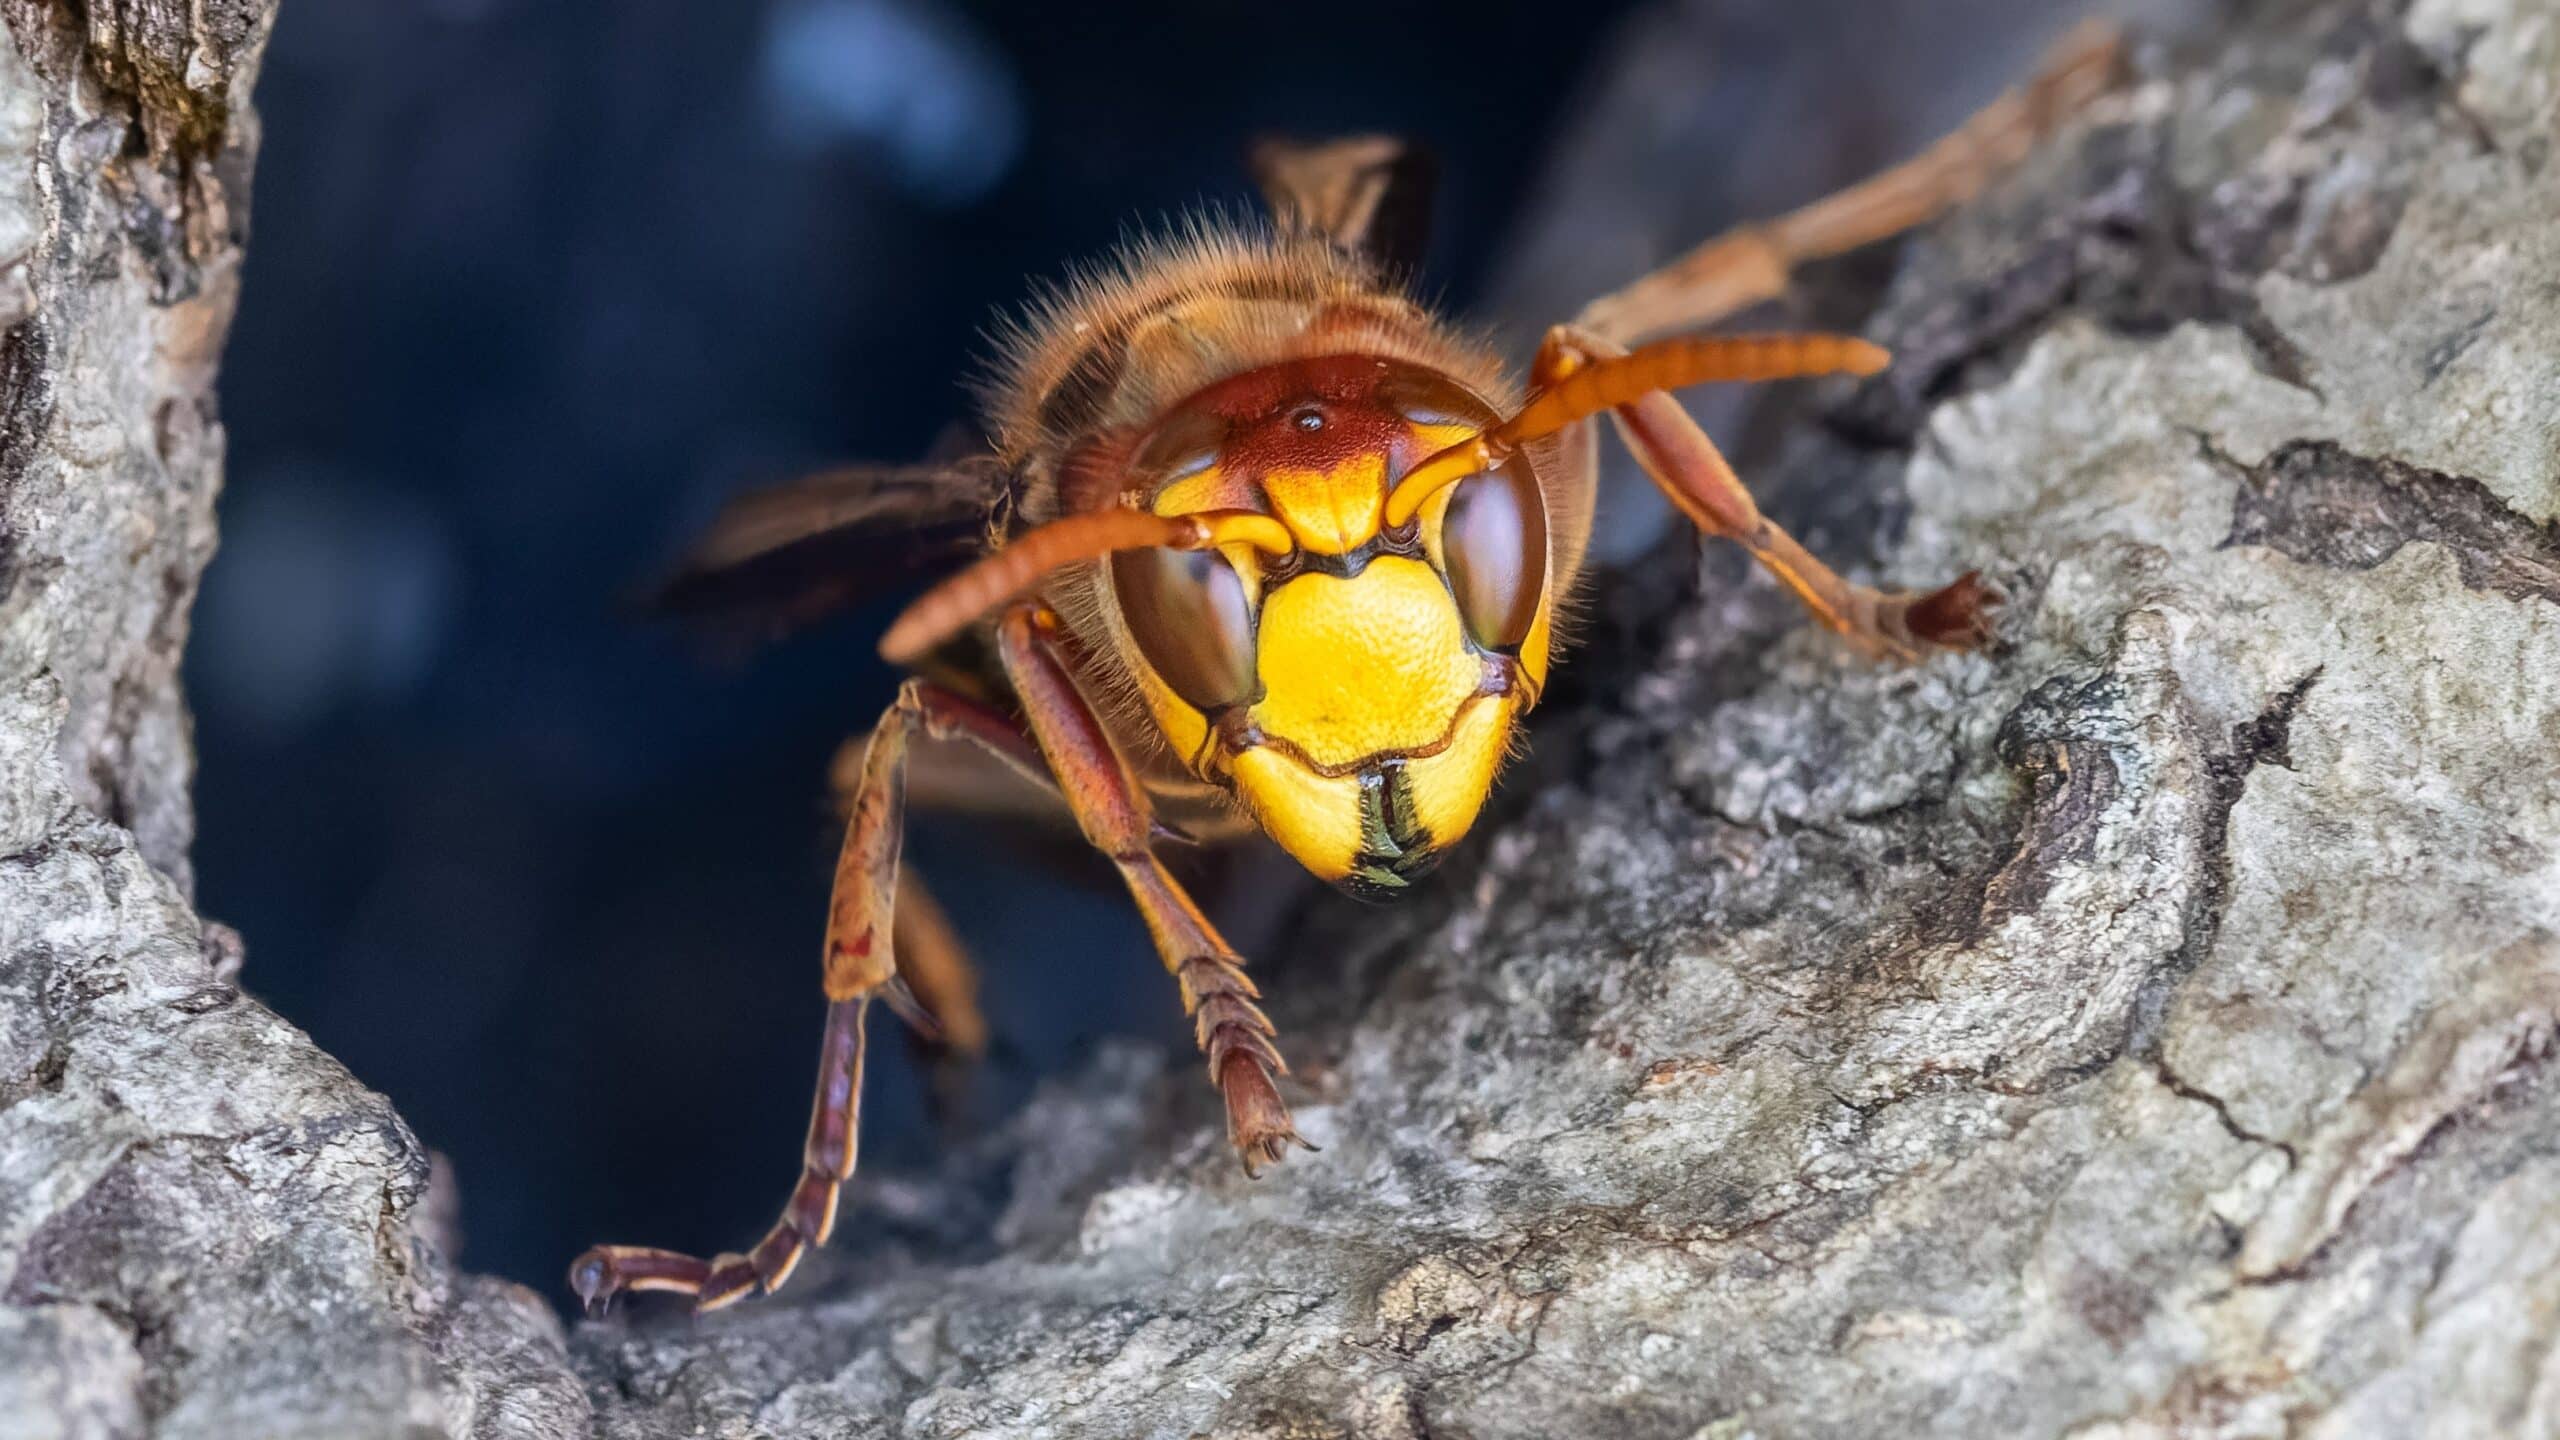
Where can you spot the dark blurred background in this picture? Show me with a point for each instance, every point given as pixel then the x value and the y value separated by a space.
pixel 535 283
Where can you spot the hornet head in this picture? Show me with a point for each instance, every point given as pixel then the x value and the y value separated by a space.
pixel 1357 686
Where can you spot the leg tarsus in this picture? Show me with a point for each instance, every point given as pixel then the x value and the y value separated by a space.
pixel 1880 624
pixel 1236 1037
pixel 1955 616
pixel 607 1270
pixel 715 1284
pixel 1258 1122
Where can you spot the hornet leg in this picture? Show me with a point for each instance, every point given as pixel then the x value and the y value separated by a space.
pixel 1751 263
pixel 1113 811
pixel 859 965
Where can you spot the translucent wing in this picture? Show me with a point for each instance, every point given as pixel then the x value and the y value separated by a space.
pixel 778 558
pixel 1368 194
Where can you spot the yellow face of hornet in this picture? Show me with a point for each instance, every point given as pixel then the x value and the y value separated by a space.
pixel 1358 694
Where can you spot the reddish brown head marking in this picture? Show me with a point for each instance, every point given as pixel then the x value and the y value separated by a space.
pixel 1313 441
pixel 1266 415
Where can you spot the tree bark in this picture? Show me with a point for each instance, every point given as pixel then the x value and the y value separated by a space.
pixel 2142 1028
pixel 204 1221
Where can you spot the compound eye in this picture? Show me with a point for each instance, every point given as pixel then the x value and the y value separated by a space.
pixel 1188 612
pixel 1493 539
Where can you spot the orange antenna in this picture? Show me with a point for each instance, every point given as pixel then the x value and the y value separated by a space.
pixel 956 603
pixel 1606 384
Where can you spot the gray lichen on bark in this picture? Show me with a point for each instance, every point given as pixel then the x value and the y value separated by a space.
pixel 2142 1028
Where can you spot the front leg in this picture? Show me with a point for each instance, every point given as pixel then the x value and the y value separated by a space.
pixel 1112 809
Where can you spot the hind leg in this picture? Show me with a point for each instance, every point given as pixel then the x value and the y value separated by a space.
pixel 1751 263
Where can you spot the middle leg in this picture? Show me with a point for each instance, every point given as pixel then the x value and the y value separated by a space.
pixel 858 963
pixel 1688 468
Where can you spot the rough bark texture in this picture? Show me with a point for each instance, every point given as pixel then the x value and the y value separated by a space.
pixel 205 1223
pixel 2142 1029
